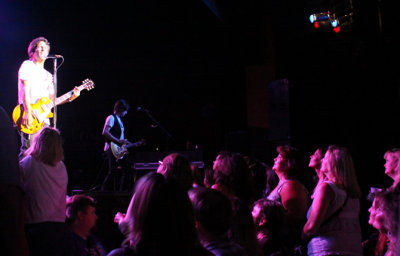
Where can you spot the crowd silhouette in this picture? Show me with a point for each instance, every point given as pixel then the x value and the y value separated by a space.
pixel 239 206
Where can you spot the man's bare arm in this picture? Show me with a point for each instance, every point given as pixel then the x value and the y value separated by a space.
pixel 27 119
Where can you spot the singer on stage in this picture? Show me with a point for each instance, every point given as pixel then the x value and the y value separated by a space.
pixel 34 83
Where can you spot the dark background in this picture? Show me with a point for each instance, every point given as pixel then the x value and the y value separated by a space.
pixel 202 69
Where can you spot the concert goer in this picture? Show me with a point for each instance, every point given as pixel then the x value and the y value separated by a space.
pixel 333 226
pixel 114 132
pixel 176 167
pixel 12 233
pixel 198 176
pixel 384 216
pixel 392 165
pixel 272 180
pixel 232 178
pixel 292 191
pixel 161 221
pixel 269 218
pixel 45 181
pixel 81 218
pixel 315 163
pixel 208 180
pixel 263 177
pixel 383 211
pixel 258 174
pixel 34 83
pixel 214 216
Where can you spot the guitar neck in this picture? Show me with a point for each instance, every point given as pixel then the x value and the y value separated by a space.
pixel 134 144
pixel 63 97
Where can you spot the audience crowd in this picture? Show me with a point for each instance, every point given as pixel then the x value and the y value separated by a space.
pixel 239 206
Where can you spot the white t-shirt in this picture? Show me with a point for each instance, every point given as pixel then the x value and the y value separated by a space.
pixel 41 82
pixel 110 122
pixel 46 190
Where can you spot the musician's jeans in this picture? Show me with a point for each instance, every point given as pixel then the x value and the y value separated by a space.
pixel 118 172
pixel 26 141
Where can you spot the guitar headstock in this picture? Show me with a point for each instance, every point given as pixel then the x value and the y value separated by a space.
pixel 87 84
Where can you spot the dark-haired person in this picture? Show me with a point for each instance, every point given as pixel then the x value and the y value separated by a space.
pixel 176 167
pixel 269 217
pixel 81 218
pixel 292 191
pixel 114 132
pixel 214 217
pixel 232 178
pixel 12 232
pixel 315 163
pixel 45 181
pixel 161 221
pixel 34 83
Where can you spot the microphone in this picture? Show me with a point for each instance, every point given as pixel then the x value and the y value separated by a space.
pixel 55 56
pixel 142 109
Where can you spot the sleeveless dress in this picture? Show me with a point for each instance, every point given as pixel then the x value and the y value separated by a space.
pixel 342 234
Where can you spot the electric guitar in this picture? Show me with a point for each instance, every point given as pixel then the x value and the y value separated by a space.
pixel 120 151
pixel 41 110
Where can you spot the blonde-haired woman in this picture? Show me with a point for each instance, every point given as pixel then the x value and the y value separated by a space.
pixel 384 216
pixel 45 184
pixel 392 165
pixel 333 225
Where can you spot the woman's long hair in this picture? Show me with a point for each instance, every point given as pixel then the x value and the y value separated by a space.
pixel 233 173
pixel 176 167
pixel 162 218
pixel 47 146
pixel 388 202
pixel 340 165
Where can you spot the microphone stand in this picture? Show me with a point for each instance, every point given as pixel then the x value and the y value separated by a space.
pixel 169 136
pixel 55 92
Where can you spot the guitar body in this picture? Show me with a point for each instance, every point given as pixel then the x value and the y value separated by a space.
pixel 120 151
pixel 39 115
pixel 41 110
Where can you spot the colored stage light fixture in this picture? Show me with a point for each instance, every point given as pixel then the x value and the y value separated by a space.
pixel 343 21
pixel 319 16
pixel 334 23
pixel 334 20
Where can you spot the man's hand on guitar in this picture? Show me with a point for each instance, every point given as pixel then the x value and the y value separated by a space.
pixel 123 142
pixel 75 94
pixel 27 119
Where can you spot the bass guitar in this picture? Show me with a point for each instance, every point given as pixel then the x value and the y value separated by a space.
pixel 120 151
pixel 41 110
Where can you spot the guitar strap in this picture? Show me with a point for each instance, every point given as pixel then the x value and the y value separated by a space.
pixel 336 213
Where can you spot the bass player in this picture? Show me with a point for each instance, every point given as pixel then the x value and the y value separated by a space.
pixel 114 134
